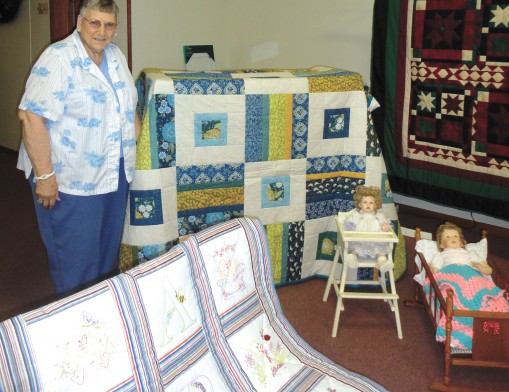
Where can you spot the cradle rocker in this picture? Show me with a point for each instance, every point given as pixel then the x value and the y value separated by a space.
pixel 343 240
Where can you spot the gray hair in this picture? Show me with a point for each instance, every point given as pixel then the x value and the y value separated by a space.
pixel 107 6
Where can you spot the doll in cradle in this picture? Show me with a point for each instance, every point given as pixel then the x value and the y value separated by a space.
pixel 366 217
pixel 451 245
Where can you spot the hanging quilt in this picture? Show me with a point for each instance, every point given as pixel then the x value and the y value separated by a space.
pixel 442 77
pixel 285 146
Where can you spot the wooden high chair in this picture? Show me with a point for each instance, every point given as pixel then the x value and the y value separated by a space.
pixel 344 238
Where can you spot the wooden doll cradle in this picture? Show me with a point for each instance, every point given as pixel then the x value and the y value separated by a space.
pixel 490 342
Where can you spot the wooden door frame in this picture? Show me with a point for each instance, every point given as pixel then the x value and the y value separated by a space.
pixel 63 20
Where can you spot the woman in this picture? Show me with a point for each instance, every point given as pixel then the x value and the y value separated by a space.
pixel 79 132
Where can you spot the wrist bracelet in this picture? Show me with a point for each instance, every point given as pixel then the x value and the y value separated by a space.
pixel 45 176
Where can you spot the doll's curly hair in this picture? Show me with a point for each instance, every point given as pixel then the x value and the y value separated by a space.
pixel 448 226
pixel 363 191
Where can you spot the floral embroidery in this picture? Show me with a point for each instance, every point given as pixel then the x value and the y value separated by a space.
pixel 266 358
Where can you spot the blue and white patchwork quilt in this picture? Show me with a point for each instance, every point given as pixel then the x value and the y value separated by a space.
pixel 287 147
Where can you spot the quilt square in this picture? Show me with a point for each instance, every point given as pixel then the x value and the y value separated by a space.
pixel 263 356
pixel 92 352
pixel 276 126
pixel 495 33
pixel 146 207
pixel 197 143
pixel 151 232
pixel 259 175
pixel 443 30
pixel 202 375
pixel 438 118
pixel 207 195
pixel 326 248
pixel 490 137
pixel 210 129
pixel 326 132
pixel 330 184
pixel 227 261
pixel 275 191
pixel 336 123
pixel 168 297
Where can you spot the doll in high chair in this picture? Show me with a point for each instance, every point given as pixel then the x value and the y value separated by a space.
pixel 366 217
pixel 451 245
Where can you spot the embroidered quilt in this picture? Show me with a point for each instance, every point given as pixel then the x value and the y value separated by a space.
pixel 472 291
pixel 202 317
pixel 441 75
pixel 285 146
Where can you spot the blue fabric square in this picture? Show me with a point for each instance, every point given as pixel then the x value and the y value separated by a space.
pixel 146 208
pixel 210 129
pixel 336 123
pixel 275 192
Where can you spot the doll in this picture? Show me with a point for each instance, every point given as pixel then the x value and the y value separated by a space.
pixel 451 245
pixel 365 217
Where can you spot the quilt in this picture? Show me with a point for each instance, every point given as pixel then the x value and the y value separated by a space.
pixel 202 317
pixel 472 291
pixel 285 146
pixel 441 74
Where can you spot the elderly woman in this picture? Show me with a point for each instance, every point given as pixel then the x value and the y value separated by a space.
pixel 79 131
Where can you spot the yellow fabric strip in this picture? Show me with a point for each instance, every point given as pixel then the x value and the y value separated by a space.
pixel 277 127
pixel 336 83
pixel 275 239
pixel 190 200
pixel 143 145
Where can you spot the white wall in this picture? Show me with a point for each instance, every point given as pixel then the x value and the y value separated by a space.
pixel 245 34
pixel 254 34
pixel 160 29
pixel 303 33
pixel 21 40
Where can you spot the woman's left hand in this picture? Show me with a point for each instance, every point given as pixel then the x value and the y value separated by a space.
pixel 46 192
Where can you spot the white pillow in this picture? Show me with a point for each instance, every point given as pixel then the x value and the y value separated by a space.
pixel 429 248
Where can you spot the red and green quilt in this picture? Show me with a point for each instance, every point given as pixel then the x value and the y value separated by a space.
pixel 440 71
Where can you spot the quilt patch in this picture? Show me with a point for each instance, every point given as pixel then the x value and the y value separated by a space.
pixel 164 143
pixel 207 195
pixel 276 126
pixel 336 123
pixel 146 208
pixel 210 129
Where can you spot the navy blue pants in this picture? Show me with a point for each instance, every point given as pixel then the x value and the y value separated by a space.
pixel 82 235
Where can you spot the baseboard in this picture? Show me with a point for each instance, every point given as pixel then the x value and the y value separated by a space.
pixel 449 211
pixel 8 150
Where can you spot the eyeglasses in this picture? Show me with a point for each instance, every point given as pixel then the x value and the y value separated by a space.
pixel 96 24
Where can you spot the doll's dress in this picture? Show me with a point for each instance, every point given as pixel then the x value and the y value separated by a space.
pixel 450 256
pixel 367 221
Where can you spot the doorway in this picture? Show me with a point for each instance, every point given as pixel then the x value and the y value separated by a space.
pixel 63 14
